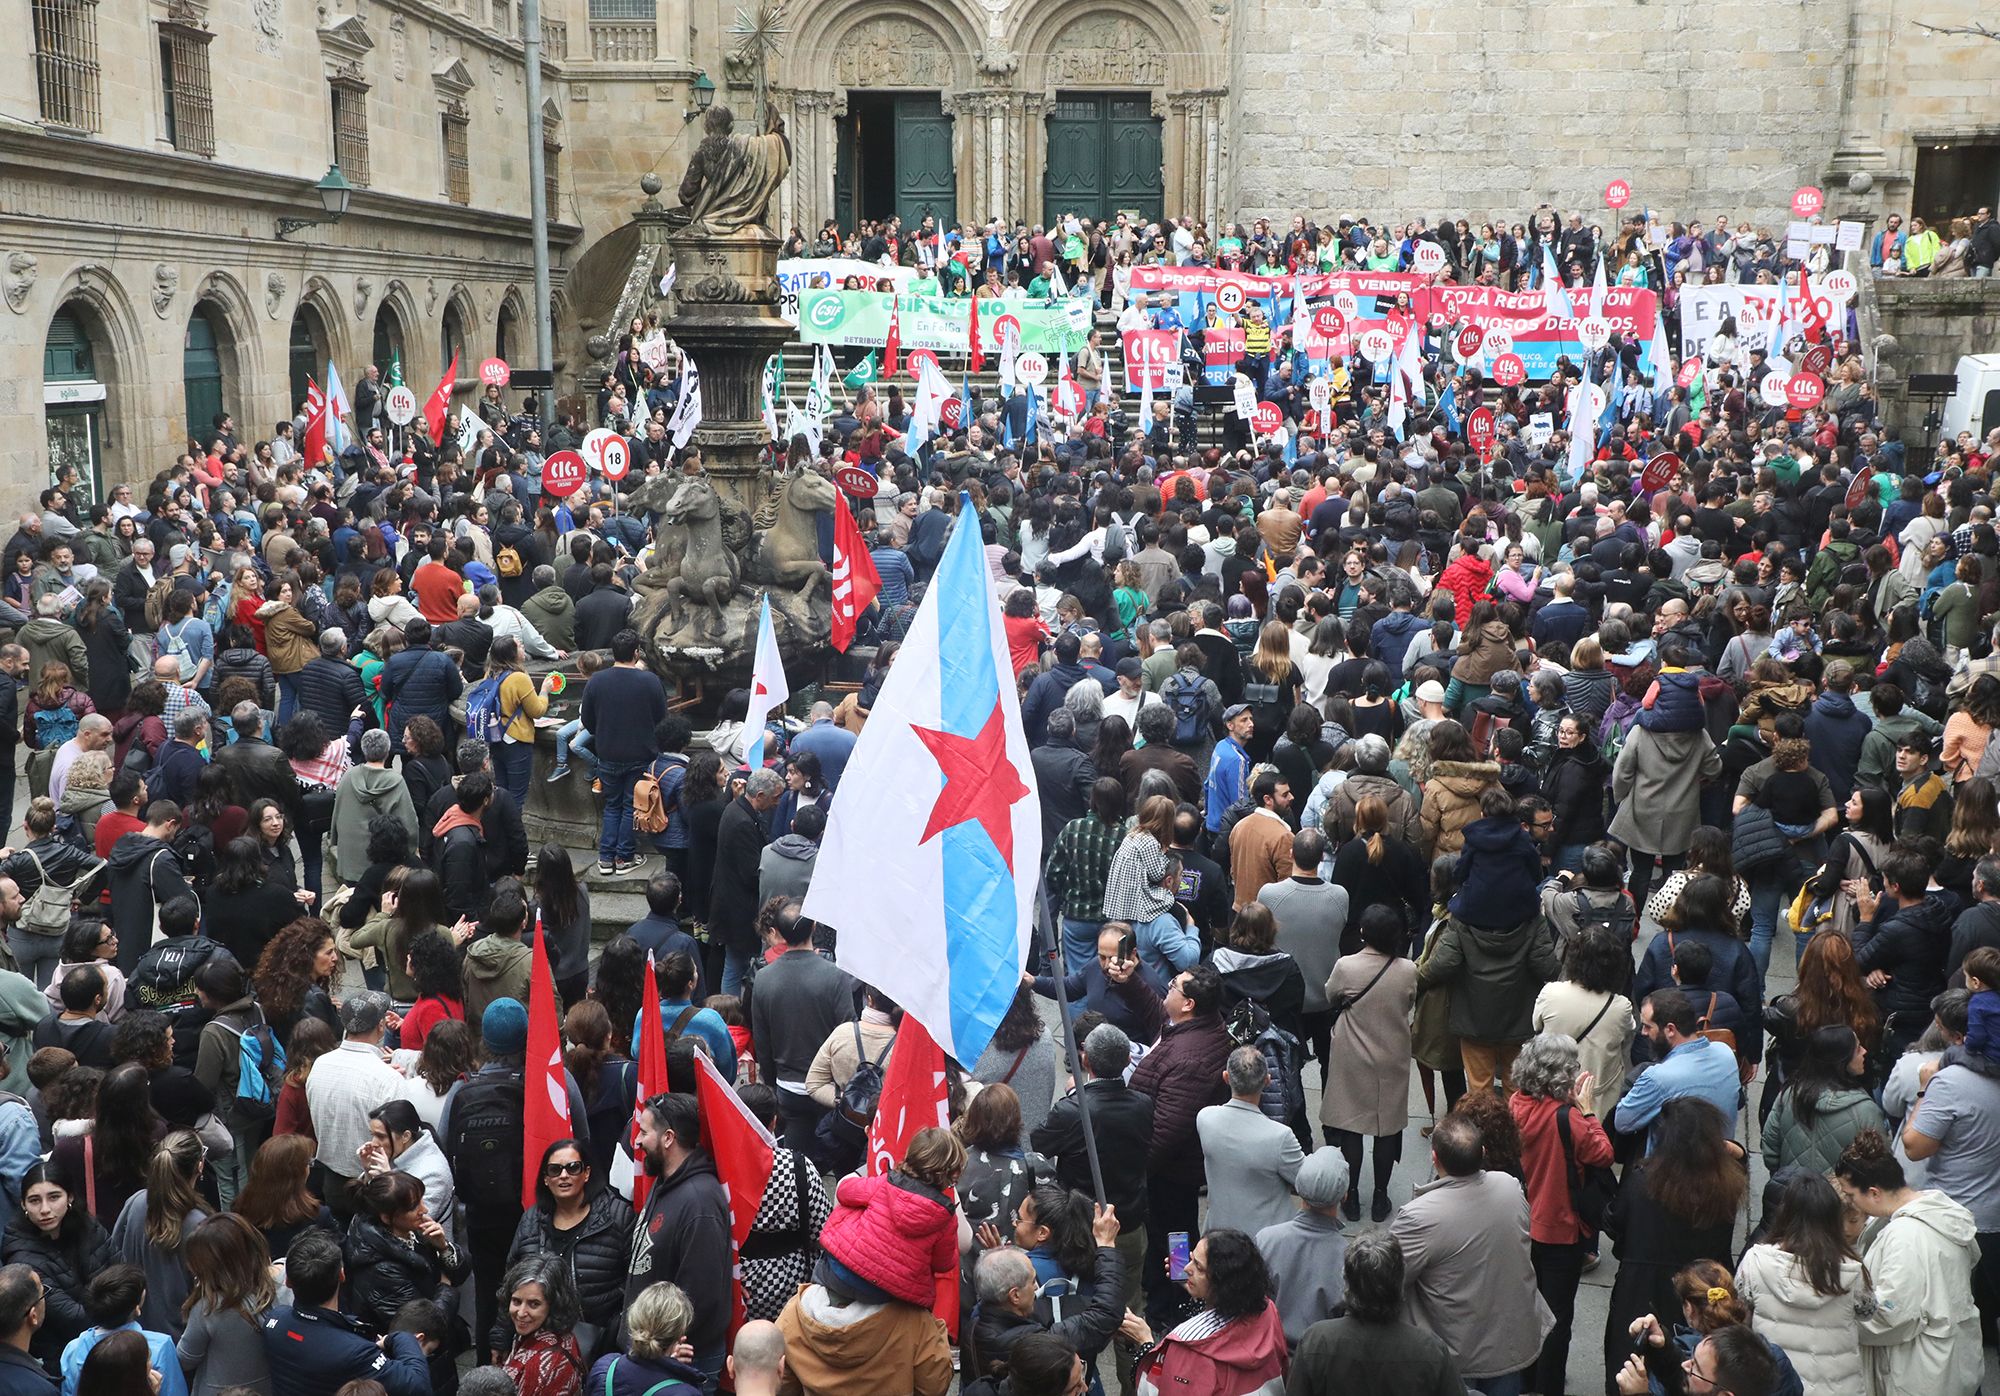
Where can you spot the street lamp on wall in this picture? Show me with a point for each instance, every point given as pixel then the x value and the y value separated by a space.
pixel 335 193
pixel 703 91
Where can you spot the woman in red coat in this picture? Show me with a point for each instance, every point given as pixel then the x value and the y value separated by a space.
pixel 892 1235
pixel 1468 575
pixel 1236 1344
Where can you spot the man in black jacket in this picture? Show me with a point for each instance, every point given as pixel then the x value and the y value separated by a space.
pixel 459 853
pixel 506 846
pixel 739 850
pixel 13 668
pixel 469 635
pixel 257 770
pixel 683 1233
pixel 131 583
pixel 419 680
pixel 604 612
pixel 1122 1120
pixel 1979 924
pixel 145 872
pixel 314 1348
pixel 329 687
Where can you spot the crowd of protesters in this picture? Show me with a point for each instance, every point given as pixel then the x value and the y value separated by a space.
pixel 1362 761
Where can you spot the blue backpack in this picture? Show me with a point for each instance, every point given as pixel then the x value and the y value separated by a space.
pixel 482 711
pixel 54 726
pixel 260 1068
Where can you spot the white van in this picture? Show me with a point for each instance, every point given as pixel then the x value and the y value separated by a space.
pixel 1975 404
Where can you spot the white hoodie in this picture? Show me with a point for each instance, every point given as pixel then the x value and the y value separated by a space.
pixel 1923 1339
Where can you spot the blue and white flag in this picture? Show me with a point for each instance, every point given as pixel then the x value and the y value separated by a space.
pixel 1555 301
pixel 768 688
pixel 929 866
pixel 1448 406
pixel 338 409
pixel 1663 362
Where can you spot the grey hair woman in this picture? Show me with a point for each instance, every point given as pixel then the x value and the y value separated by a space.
pixel 1547 1068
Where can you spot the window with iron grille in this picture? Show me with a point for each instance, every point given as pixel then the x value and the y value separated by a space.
pixel 457 166
pixel 503 16
pixel 66 62
pixel 350 130
pixel 552 177
pixel 190 104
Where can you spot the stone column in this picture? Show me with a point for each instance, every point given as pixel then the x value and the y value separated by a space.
pixel 1195 130
pixel 1027 154
pixel 807 198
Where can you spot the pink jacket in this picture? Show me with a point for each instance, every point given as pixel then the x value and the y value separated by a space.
pixel 1244 1357
pixel 893 1232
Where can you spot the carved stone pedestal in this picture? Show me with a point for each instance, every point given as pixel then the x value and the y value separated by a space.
pixel 724 313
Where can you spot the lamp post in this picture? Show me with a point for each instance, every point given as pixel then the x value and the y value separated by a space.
pixel 335 193
pixel 703 90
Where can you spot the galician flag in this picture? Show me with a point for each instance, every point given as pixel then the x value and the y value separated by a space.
pixel 1663 362
pixel 338 410
pixel 437 407
pixel 768 688
pixel 1555 301
pixel 545 1116
pixel 929 864
pixel 1580 433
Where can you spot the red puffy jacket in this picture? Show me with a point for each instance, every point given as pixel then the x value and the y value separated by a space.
pixel 895 1233
pixel 1466 579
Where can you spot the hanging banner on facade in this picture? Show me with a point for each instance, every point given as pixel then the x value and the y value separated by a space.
pixel 796 274
pixel 860 319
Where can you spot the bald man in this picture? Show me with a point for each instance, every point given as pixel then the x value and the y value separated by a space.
pixel 757 1363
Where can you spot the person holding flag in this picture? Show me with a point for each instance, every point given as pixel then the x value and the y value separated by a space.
pixel 856 582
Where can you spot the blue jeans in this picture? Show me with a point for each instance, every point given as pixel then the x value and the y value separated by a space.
pixel 572 740
pixel 35 956
pixel 735 968
pixel 288 698
pixel 615 840
pixel 1506 1384
pixel 1568 857
pixel 513 767
pixel 1766 895
pixel 1079 943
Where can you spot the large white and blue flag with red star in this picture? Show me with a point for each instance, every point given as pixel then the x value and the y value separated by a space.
pixel 933 846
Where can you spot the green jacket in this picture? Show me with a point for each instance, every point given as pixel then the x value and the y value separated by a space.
pixel 1824 574
pixel 1841 1115
pixel 552 612
pixel 1493 976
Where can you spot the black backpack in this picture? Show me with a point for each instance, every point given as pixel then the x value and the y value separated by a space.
pixel 485 1142
pixel 845 1127
pixel 1185 696
pixel 1621 918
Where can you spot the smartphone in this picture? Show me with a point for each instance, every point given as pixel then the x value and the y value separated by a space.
pixel 1177 1256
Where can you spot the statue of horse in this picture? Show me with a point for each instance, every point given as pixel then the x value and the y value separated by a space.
pixel 708 569
pixel 787 559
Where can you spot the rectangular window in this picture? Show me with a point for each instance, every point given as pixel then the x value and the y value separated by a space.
pixel 552 179
pixel 457 167
pixel 350 130
pixel 66 67
pixel 503 16
pixel 190 105
pixel 1954 179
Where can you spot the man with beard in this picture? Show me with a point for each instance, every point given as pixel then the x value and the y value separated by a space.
pixel 1684 1063
pixel 683 1234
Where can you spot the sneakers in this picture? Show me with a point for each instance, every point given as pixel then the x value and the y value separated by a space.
pixel 557 774
pixel 625 867
pixel 597 787
pixel 605 869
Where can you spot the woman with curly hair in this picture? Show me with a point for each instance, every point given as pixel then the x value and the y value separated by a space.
pixel 1236 1343
pixel 294 976
pixel 432 971
pixel 1709 1301
pixel 543 1310
pixel 449 1056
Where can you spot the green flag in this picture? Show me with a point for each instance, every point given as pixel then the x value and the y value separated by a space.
pixel 862 374
pixel 395 370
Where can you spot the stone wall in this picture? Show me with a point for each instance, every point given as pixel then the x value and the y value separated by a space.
pixel 1932 323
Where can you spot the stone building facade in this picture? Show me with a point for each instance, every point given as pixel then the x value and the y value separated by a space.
pixel 148 148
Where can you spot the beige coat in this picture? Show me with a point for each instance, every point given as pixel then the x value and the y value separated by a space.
pixel 834 1065
pixel 1566 1007
pixel 1368 1090
pixel 1451 801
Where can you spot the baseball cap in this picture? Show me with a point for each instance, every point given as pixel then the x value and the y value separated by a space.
pixel 1234 711
pixel 1130 668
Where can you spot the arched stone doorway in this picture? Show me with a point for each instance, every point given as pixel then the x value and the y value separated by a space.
pixel 75 398
pixel 451 341
pixel 1128 98
pixel 309 352
pixel 388 343
pixel 205 384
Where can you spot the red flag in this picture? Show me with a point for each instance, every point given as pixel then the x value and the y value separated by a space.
pixel 978 354
pixel 914 1097
pixel 651 1057
pixel 895 340
pixel 438 406
pixel 743 1151
pixel 314 447
pixel 546 1117
pixel 856 583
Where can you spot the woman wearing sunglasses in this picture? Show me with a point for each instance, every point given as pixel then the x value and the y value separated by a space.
pixel 583 1223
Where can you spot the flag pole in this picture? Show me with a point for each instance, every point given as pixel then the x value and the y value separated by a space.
pixel 1046 932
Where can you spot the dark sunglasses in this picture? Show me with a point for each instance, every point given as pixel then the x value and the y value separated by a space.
pixel 568 1170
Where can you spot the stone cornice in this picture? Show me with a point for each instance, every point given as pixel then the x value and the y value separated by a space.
pixel 169 193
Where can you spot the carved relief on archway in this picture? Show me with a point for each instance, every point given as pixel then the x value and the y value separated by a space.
pixel 892 50
pixel 1103 50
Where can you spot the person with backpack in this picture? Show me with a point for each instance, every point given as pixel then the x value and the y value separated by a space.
pixel 241 1062
pixel 801 999
pixel 419 680
pixel 1196 704
pixel 501 710
pixel 52 873
pixel 1591 897
pixel 56 709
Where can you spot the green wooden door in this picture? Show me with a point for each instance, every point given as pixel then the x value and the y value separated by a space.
pixel 843 177
pixel 201 376
pixel 1103 157
pixel 926 182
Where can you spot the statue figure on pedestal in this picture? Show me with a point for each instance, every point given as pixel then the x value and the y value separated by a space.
pixel 730 180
